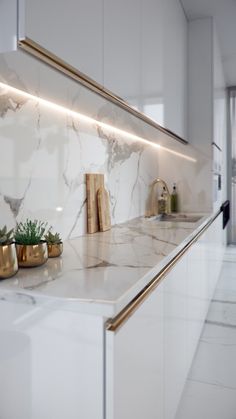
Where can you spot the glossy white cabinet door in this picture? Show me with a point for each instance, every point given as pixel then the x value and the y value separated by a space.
pixel 148 359
pixel 198 294
pixel 122 48
pixel 73 30
pixel 175 336
pixel 204 265
pixel 175 40
pixel 145 57
pixel 11 23
pixel 152 54
pixel 200 100
pixel 51 363
pixel 134 363
pixel 215 251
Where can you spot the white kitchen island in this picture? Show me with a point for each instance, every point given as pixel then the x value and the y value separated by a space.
pixel 79 339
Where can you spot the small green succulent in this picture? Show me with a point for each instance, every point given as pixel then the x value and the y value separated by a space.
pixel 6 237
pixel 52 238
pixel 30 232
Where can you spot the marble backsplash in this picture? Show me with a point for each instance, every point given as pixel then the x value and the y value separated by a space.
pixel 45 155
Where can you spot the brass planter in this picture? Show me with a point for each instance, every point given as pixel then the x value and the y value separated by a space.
pixel 55 250
pixel 30 255
pixel 8 260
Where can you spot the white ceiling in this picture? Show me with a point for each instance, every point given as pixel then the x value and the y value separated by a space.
pixel 224 14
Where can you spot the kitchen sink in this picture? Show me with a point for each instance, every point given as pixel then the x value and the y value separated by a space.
pixel 180 218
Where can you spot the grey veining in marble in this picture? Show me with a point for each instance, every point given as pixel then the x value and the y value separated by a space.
pixel 106 269
pixel 48 153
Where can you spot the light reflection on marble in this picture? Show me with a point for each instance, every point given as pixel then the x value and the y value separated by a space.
pixel 46 157
pixel 108 268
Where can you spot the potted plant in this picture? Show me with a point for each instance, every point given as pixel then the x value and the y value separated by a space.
pixel 31 249
pixel 8 258
pixel 54 243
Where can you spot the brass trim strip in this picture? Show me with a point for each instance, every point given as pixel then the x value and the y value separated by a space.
pixel 114 324
pixel 42 54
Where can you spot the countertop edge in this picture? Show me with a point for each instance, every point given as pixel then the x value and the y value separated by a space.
pixel 95 307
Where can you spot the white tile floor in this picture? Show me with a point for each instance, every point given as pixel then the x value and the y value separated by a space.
pixel 210 392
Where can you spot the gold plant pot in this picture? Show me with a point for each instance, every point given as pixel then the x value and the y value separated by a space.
pixel 30 255
pixel 55 250
pixel 8 260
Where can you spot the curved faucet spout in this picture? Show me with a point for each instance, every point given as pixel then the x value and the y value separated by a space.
pixel 153 198
pixel 159 180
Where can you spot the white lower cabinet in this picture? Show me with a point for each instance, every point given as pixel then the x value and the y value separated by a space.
pixel 51 363
pixel 175 336
pixel 197 294
pixel 135 363
pixel 214 252
pixel 148 358
pixel 56 363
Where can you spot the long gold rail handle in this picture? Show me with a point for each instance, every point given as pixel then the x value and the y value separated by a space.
pixel 42 54
pixel 114 324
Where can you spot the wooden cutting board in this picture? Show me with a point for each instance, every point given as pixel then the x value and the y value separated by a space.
pixel 94 181
pixel 104 209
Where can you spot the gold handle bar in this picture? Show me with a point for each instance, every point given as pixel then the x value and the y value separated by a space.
pixel 114 324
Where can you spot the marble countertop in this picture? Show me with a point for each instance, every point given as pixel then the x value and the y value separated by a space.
pixel 102 272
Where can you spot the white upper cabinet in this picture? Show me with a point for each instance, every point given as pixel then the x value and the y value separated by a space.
pixel 72 29
pixel 152 93
pixel 207 100
pixel 11 24
pixel 122 49
pixel 175 36
pixel 145 58
pixel 137 49
pixel 135 363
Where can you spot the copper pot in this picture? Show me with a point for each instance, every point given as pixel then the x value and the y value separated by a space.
pixel 8 260
pixel 55 249
pixel 30 255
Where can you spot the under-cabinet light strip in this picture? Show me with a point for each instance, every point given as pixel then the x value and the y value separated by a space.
pixel 90 120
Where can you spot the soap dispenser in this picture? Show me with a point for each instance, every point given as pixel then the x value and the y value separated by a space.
pixel 162 202
pixel 174 199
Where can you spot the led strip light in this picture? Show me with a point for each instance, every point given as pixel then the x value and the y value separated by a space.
pixel 89 120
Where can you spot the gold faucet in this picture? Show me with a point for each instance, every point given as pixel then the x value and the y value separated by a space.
pixel 153 209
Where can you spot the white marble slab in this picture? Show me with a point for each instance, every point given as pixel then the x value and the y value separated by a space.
pixel 101 273
pixel 47 153
pixel 46 156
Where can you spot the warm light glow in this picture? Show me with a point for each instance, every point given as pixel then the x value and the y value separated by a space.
pixel 90 120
